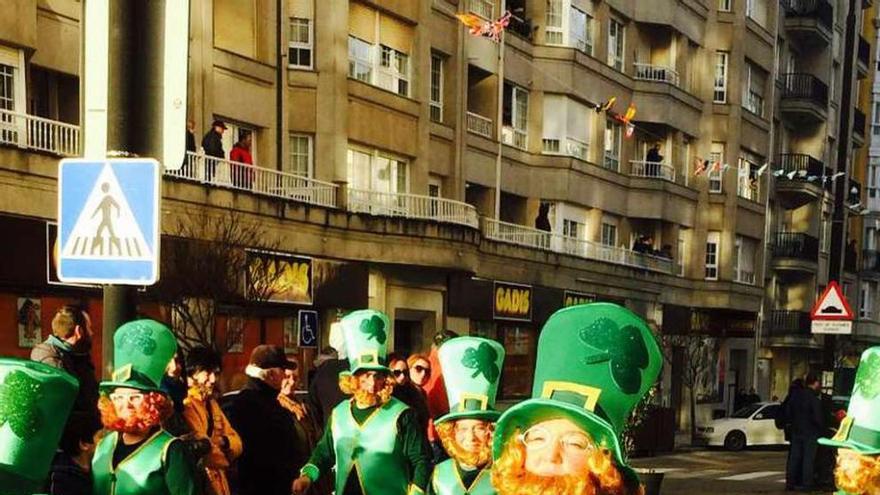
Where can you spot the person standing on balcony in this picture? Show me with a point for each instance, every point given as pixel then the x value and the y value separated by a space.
pixel 654 158
pixel 242 175
pixel 190 147
pixel 212 143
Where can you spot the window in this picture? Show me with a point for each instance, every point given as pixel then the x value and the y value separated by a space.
pixel 394 71
pixel 757 11
pixel 515 116
pixel 825 234
pixel 360 60
pixel 566 127
pixel 7 87
pixel 12 87
pixel 616 33
pixel 712 252
pixel 567 25
pixel 609 234
pixel 747 184
pixel 612 145
pixel 300 162
pixel 436 87
pixel 554 32
pixel 753 89
pixel 234 132
pixel 681 255
pixel 724 5
pixel 299 49
pixel 745 260
pixel 720 95
pixel 866 300
pixel 579 31
pixel 483 8
pixel 570 228
pixel 377 171
pixel 716 155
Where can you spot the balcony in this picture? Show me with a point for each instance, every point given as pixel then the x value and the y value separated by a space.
pixel 257 180
pixel 479 125
pixel 795 251
pixel 787 323
pixel 568 146
pixel 514 137
pixel 800 179
pixel 656 73
pixel 412 206
pixel 858 127
pixel 652 170
pixel 864 58
pixel 809 21
pixel 803 98
pixel 871 261
pixel 39 134
pixel 521 235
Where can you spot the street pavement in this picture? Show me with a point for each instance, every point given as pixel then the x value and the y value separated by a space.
pixel 720 472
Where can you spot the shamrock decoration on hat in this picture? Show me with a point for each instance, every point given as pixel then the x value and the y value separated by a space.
pixel 35 400
pixel 366 334
pixel 595 363
pixel 142 351
pixel 471 369
pixel 860 429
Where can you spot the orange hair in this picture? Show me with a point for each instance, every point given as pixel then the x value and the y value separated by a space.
pixel 155 409
pixel 446 433
pixel 509 475
pixel 856 473
pixel 414 358
pixel 348 384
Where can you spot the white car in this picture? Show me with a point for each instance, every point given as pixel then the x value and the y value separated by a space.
pixel 751 425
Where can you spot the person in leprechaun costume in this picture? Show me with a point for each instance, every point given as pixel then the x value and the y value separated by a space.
pixel 35 400
pixel 373 441
pixel 471 369
pixel 858 438
pixel 138 457
pixel 595 363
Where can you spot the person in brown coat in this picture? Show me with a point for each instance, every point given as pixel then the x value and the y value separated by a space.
pixel 207 421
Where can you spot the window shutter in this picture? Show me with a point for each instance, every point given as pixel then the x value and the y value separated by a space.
pixel 301 8
pixel 362 22
pixel 554 117
pixel 395 34
pixel 578 121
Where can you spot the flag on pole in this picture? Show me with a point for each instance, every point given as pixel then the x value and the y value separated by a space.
pixel 700 166
pixel 761 170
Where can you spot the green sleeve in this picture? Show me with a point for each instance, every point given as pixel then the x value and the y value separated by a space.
pixel 415 448
pixel 178 470
pixel 323 458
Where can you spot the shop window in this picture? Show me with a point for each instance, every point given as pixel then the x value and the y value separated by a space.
pixel 519 363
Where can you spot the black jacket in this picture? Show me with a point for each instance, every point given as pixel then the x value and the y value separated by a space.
pixel 804 410
pixel 67 478
pixel 271 459
pixel 56 353
pixel 416 400
pixel 324 392
pixel 213 144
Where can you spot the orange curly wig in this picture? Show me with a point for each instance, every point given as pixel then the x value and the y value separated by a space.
pixel 446 432
pixel 155 409
pixel 348 384
pixel 856 473
pixel 602 477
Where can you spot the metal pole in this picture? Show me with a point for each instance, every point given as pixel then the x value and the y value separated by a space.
pixel 499 115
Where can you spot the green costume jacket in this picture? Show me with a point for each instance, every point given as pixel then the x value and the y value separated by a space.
pixel 158 467
pixel 447 480
pixel 376 451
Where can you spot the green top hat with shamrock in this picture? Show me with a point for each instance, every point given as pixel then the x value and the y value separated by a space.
pixel 142 350
pixel 860 430
pixel 35 400
pixel 595 363
pixel 366 338
pixel 471 369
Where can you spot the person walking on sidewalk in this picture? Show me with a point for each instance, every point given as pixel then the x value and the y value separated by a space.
pixel 804 411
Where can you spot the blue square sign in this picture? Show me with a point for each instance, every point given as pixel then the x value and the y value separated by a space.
pixel 108 221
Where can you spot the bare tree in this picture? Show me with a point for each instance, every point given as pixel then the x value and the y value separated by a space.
pixel 212 262
pixel 696 359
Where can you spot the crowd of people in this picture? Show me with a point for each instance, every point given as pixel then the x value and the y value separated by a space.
pixel 374 423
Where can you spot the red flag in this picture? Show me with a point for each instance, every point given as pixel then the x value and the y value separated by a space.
pixel 700 167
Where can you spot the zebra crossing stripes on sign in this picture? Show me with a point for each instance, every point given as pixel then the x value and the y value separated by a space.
pixel 108 219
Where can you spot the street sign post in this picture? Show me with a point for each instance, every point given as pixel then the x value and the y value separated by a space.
pixel 832 313
pixel 108 221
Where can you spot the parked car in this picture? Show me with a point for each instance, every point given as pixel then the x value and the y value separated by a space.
pixel 752 425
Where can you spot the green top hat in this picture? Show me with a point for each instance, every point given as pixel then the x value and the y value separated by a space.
pixel 860 430
pixel 142 350
pixel 471 369
pixel 366 337
pixel 35 400
pixel 595 363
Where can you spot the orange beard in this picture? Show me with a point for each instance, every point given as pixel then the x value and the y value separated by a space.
pixel 348 384
pixel 155 409
pixel 473 459
pixel 509 476
pixel 857 474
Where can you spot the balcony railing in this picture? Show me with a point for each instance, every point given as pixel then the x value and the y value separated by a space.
pixel 539 239
pixel 412 206
pixel 797 86
pixel 653 170
pixel 785 322
pixel 567 146
pixel 258 180
pixel 795 245
pixel 864 51
pixel 796 162
pixel 514 137
pixel 858 123
pixel 871 260
pixel 480 125
pixel 744 276
pixel 657 73
pixel 820 10
pixel 37 133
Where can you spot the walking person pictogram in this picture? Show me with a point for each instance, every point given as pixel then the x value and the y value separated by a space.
pixel 105 208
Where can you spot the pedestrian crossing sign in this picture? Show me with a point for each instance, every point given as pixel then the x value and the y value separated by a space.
pixel 108 221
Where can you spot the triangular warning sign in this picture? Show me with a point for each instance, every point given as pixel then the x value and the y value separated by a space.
pixel 106 227
pixel 832 305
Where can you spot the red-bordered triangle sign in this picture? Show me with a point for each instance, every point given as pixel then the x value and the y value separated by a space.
pixel 832 305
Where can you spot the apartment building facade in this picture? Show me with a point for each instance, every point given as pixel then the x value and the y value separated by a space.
pixel 383 129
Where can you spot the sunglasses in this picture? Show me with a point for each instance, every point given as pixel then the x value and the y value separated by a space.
pixel 398 372
pixel 421 369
